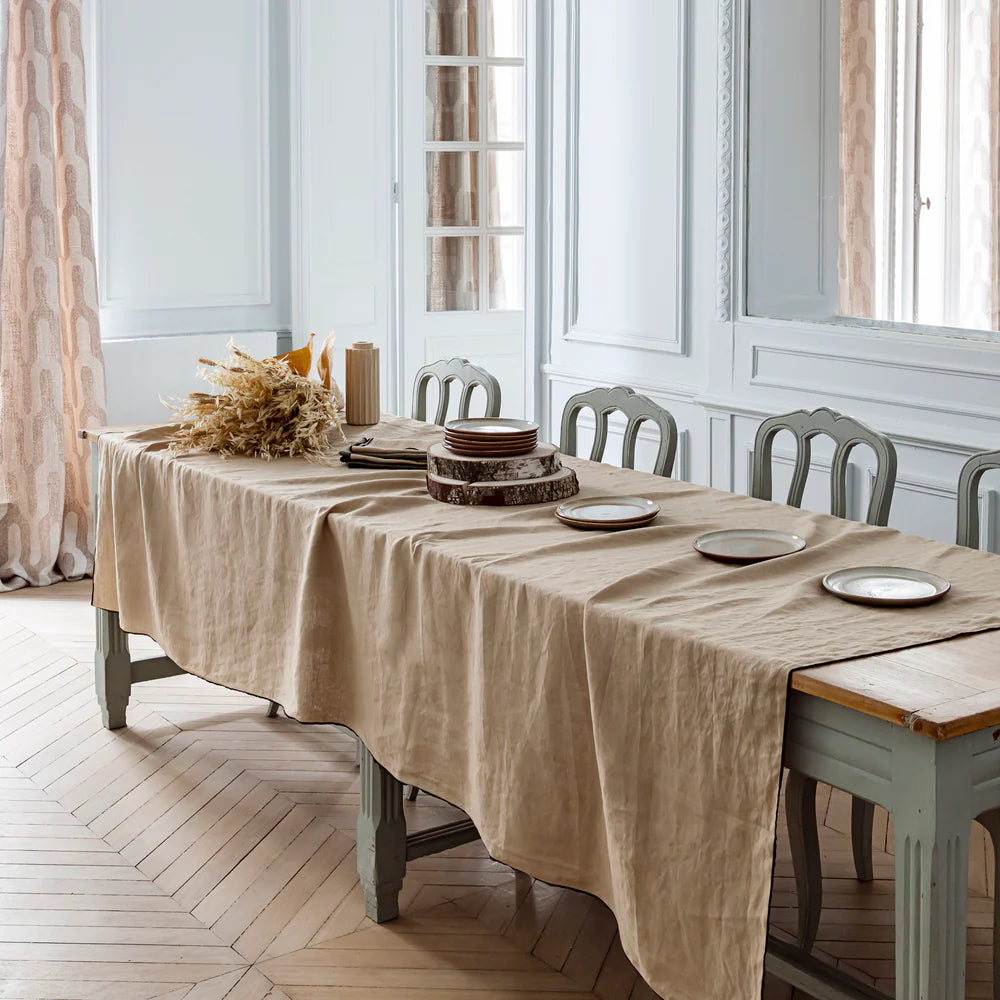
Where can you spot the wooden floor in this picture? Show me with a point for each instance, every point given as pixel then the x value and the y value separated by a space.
pixel 208 852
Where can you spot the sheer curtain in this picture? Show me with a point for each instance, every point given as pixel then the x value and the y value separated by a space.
pixel 979 167
pixel 453 178
pixel 857 158
pixel 51 367
pixel 995 146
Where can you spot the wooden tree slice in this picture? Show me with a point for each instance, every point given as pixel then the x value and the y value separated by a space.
pixel 509 493
pixel 543 461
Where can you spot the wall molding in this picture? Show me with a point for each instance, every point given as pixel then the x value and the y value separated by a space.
pixel 725 160
pixel 731 406
pixel 588 378
pixel 261 294
pixel 872 361
pixel 646 340
pixel 300 64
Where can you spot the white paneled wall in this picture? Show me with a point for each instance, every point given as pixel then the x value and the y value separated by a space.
pixel 649 271
pixel 244 153
pixel 188 108
pixel 143 372
pixel 342 169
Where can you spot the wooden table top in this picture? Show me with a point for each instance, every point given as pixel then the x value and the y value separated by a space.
pixel 940 690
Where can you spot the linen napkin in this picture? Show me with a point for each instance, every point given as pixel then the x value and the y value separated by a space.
pixel 383 453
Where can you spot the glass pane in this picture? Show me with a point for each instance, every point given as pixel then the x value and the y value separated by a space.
pixel 452 104
pixel 453 189
pixel 452 273
pixel 504 32
pixel 450 27
pixel 506 118
pixel 506 190
pixel 506 272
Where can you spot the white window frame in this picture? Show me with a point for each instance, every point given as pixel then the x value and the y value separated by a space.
pixel 482 148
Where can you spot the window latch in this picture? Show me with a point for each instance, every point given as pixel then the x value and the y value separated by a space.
pixel 920 203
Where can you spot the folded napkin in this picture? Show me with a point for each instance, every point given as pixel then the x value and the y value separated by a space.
pixel 375 453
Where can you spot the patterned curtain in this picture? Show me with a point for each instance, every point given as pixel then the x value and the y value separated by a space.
pixel 51 367
pixel 857 158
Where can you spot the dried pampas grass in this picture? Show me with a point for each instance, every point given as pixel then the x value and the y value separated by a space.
pixel 263 409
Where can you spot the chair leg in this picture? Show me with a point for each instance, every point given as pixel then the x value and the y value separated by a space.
pixel 991 820
pixel 800 815
pixel 272 709
pixel 411 795
pixel 862 822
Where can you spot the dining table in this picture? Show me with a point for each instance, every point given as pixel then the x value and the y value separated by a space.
pixel 611 710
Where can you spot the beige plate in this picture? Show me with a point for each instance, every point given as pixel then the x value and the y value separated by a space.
pixel 472 436
pixel 887 586
pixel 489 435
pixel 607 511
pixel 495 451
pixel 491 425
pixel 497 443
pixel 748 545
pixel 574 522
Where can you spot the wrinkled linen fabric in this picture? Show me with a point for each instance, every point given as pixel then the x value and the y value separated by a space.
pixel 608 707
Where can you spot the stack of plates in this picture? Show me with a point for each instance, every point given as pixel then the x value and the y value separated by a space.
pixel 607 513
pixel 490 437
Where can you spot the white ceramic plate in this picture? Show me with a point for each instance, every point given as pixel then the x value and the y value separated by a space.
pixel 500 449
pixel 607 511
pixel 748 545
pixel 491 425
pixel 606 525
pixel 888 586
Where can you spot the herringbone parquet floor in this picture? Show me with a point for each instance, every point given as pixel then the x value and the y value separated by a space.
pixel 208 852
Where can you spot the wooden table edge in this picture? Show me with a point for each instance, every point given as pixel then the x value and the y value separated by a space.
pixel 809 683
pixel 95 433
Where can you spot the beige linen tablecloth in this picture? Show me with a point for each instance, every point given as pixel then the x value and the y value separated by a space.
pixel 607 707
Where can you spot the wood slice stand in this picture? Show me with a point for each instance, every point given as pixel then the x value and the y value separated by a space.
pixel 504 493
pixel 543 461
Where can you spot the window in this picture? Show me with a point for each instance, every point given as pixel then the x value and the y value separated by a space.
pixel 474 132
pixel 930 181
pixel 874 182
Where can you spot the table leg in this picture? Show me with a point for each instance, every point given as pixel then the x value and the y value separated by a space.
pixel 803 838
pixel 112 669
pixel 381 838
pixel 932 819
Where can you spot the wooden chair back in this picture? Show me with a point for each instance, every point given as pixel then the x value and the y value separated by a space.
pixel 967 533
pixel 454 370
pixel 847 433
pixel 636 408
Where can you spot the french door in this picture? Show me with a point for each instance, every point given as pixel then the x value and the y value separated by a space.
pixel 462 122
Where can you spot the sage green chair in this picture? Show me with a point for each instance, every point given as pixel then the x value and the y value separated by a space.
pixel 847 433
pixel 468 375
pixel 967 530
pixel 800 790
pixel 636 408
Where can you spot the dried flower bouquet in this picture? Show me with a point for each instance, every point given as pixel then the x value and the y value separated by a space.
pixel 264 409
